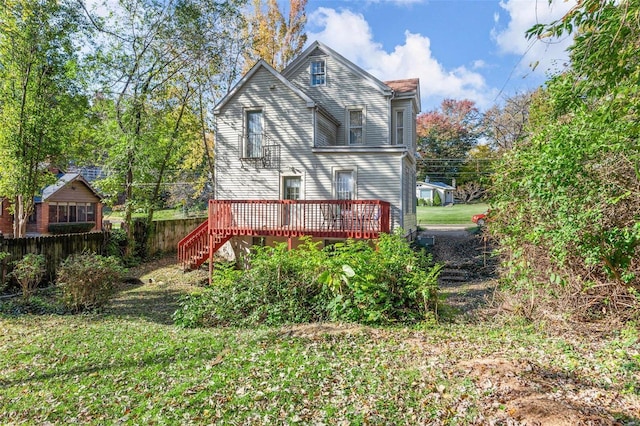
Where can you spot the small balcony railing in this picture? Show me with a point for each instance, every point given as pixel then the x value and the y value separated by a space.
pixel 259 151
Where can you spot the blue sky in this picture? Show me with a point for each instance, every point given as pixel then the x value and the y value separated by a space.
pixel 473 49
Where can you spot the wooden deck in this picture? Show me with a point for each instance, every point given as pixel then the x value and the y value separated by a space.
pixel 359 219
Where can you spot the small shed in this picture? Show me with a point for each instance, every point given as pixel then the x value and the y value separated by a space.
pixel 69 205
pixel 426 191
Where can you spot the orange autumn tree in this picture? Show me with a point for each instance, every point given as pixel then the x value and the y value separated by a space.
pixel 272 37
pixel 445 137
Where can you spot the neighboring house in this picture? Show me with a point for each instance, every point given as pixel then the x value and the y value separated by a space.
pixel 70 200
pixel 330 144
pixel 426 191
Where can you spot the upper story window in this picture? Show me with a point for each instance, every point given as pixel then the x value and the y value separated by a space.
pixel 398 126
pixel 318 73
pixel 253 134
pixel 356 126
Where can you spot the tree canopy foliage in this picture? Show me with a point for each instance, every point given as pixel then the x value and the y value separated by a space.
pixel 41 102
pixel 568 198
pixel 445 137
pixel 161 67
pixel 504 125
pixel 272 37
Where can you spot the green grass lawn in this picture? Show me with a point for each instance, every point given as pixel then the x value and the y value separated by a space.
pixel 457 214
pixel 165 214
pixel 130 365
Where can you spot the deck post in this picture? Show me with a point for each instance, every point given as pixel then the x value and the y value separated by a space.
pixel 290 243
pixel 210 258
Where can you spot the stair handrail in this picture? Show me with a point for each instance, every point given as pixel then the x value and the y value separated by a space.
pixel 188 245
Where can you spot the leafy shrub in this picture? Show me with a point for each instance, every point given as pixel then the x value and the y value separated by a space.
pixel 349 281
pixel 567 198
pixel 437 200
pixel 88 280
pixel 70 228
pixel 29 271
pixel 3 269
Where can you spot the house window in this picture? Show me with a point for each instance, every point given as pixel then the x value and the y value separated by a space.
pixel 398 126
pixel 344 185
pixel 356 126
pixel 72 212
pixel 318 73
pixel 292 186
pixel 254 135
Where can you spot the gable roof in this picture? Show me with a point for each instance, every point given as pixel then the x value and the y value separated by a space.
pixel 297 62
pixel 62 182
pixel 439 185
pixel 262 64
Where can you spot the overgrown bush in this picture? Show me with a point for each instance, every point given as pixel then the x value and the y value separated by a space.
pixel 349 281
pixel 567 199
pixel 88 280
pixel 29 271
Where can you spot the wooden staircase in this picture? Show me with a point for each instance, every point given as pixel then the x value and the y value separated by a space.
pixel 194 249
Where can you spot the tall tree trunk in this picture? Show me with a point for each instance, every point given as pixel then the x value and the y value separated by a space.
pixel 167 156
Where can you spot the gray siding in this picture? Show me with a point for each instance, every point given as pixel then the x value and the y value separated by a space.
pixel 344 89
pixel 288 122
pixel 305 138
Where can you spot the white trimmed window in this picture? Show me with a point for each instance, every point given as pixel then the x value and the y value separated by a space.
pixel 252 147
pixel 344 185
pixel 398 127
pixel 356 126
pixel 318 73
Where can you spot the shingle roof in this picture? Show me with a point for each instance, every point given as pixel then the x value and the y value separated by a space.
pixel 404 86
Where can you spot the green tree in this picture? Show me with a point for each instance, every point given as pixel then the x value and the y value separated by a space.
pixel 568 198
pixel 41 101
pixel 162 66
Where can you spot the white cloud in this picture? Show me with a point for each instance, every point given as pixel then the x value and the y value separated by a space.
pixel 349 34
pixel 547 55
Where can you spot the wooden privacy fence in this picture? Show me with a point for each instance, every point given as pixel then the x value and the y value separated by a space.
pixel 55 248
pixel 163 236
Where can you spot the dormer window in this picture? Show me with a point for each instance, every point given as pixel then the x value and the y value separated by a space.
pixel 318 73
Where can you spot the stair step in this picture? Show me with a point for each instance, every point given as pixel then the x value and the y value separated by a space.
pixel 448 274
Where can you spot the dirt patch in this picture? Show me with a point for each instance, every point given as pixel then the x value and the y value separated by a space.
pixel 152 290
pixel 469 277
pixel 522 392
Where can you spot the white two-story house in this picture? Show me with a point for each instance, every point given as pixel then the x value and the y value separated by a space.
pixel 322 148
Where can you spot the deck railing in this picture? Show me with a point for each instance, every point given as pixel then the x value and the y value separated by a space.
pixel 283 218
pixel 322 218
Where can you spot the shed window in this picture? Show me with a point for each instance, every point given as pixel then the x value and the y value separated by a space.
pixel 318 73
pixel 72 212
